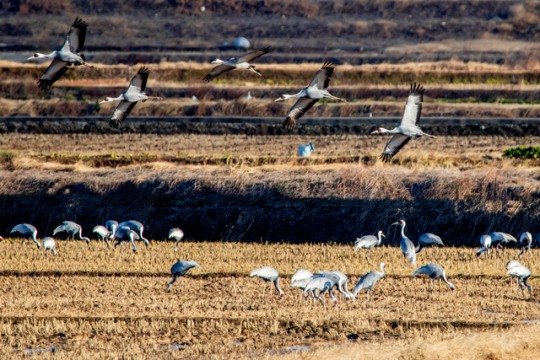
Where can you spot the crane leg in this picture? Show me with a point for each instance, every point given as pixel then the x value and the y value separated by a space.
pixel 133 244
pixel 53 251
pixel 176 245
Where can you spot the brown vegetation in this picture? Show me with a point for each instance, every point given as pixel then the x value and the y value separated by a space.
pixel 91 301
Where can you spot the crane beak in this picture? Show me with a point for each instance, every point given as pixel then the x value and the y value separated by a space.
pixel 396 223
pixel 374 132
pixel 278 99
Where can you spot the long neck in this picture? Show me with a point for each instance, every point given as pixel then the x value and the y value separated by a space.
pixel 382 271
pixel 45 56
pixel 450 285
pixel 419 248
pixel 218 61
pixel 386 131
pixel 276 284
pixel 379 240
pixel 403 230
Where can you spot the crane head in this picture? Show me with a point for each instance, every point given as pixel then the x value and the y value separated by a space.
pixel 281 98
pixel 107 99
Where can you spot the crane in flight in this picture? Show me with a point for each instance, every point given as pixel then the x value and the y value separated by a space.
pixel 408 128
pixel 309 95
pixel 243 62
pixel 63 57
pixel 129 98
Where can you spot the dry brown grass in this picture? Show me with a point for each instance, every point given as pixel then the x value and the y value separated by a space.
pixel 89 301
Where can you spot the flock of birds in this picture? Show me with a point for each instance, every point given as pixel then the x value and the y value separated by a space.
pixel 70 54
pixel 314 284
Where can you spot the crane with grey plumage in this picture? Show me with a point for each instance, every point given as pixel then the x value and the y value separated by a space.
pixel 124 233
pixel 301 278
pixel 485 241
pixel 407 247
pixel 103 233
pixel 434 271
pixel 242 62
pixel 319 285
pixel 63 57
pixel 340 282
pixel 368 281
pixel 525 242
pixel 309 95
pixel 269 274
pixel 48 244
pixel 134 225
pixel 522 273
pixel 499 238
pixel 408 128
pixel 177 234
pixel 369 241
pixel 180 268
pixel 428 239
pixel 111 225
pixel 28 231
pixel 72 229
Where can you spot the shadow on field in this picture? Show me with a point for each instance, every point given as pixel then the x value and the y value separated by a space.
pixel 258 214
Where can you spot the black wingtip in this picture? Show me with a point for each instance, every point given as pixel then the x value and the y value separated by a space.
pixel 289 123
pixel 44 85
pixel 208 78
pixel 267 49
pixel 417 89
pixel 328 65
pixel 114 123
pixel 79 23
pixel 385 157
pixel 143 70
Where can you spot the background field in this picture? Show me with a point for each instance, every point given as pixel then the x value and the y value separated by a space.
pixel 217 163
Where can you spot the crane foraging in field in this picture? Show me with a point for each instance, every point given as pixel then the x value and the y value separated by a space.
pixel 369 241
pixel 406 245
pixel 103 233
pixel 301 278
pixel 124 233
pixel 180 269
pixel 309 95
pixel 134 225
pixel 500 238
pixel 525 242
pixel 243 62
pixel 320 284
pixel 340 281
pixel 269 274
pixel 408 128
pixel 63 57
pixel 48 244
pixel 28 231
pixel 368 281
pixel 177 234
pixel 428 239
pixel 434 271
pixel 72 229
pixel 129 98
pixel 485 241
pixel 522 273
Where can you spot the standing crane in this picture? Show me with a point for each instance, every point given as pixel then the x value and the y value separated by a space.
pixel 103 233
pixel 406 245
pixel 525 242
pixel 180 269
pixel 66 55
pixel 177 234
pixel 428 239
pixel 129 98
pixel 28 231
pixel 522 273
pixel 368 281
pixel 48 244
pixel 369 241
pixel 309 95
pixel 321 284
pixel 485 241
pixel 434 271
pixel 269 274
pixel 340 282
pixel 501 238
pixel 72 229
pixel 243 62
pixel 111 225
pixel 407 129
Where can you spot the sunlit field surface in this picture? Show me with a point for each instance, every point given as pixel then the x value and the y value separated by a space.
pixel 91 300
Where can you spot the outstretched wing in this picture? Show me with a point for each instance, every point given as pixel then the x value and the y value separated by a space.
pixel 323 76
pixel 76 35
pixel 53 73
pixel 254 55
pixel 298 110
pixel 121 112
pixel 138 82
pixel 413 108
pixel 218 70
pixel 393 146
